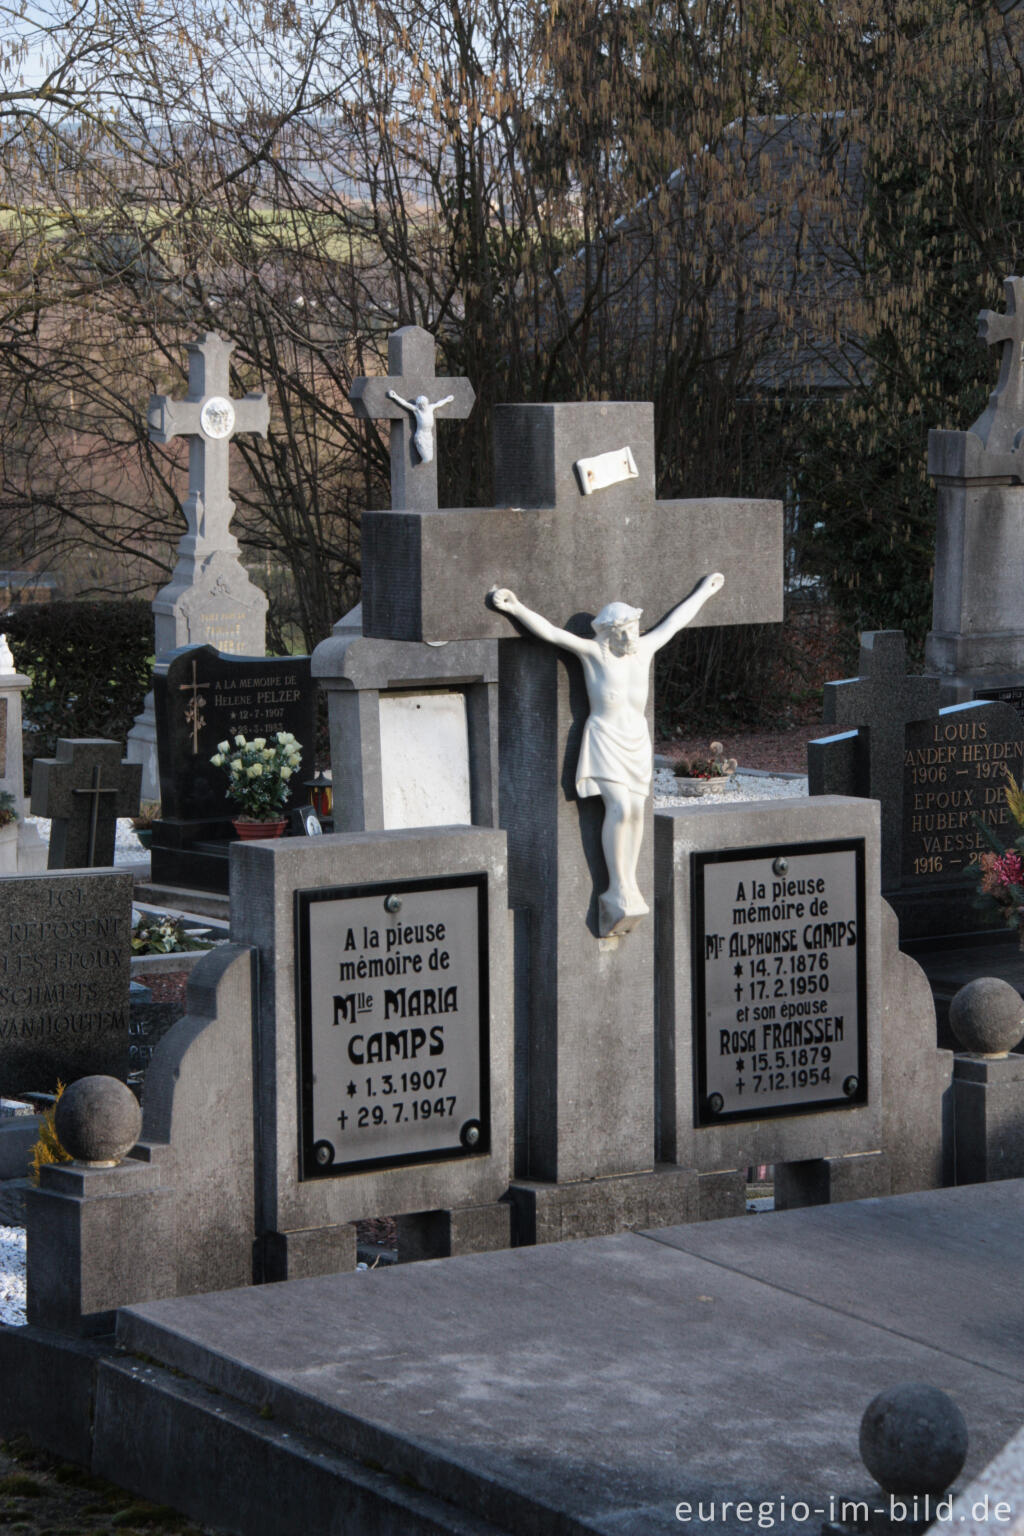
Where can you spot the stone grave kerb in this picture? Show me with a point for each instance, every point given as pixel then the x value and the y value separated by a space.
pixel 882 701
pixel 577 524
pixel 411 378
pixel 84 789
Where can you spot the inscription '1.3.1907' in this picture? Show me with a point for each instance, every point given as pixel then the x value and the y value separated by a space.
pixel 954 773
pixel 779 961
pixel 393 989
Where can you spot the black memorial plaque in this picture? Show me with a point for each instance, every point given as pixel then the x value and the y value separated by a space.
pixel 202 698
pixel 393 1007
pixel 779 980
pixel 1012 694
pixel 955 771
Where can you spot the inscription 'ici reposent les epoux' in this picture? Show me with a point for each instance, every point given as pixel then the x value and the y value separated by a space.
pixel 616 756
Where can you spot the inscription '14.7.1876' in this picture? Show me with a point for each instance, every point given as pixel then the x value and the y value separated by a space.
pixel 393 991
pixel 779 961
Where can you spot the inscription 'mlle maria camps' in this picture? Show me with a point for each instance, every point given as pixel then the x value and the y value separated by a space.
pixel 392 1026
pixel 954 772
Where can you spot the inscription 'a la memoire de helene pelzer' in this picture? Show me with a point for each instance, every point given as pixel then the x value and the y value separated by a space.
pixel 954 771
pixel 55 968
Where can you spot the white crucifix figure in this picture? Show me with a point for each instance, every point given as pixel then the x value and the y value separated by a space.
pixel 423 412
pixel 616 759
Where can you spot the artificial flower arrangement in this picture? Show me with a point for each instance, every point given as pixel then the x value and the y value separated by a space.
pixel 157 934
pixel 8 808
pixel 1001 871
pixel 715 766
pixel 259 772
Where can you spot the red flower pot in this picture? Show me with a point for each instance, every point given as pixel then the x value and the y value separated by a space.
pixel 248 830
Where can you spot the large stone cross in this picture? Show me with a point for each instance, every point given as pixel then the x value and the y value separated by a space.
pixel 881 703
pixel 84 789
pixel 411 365
pixel 1003 417
pixel 209 418
pixel 577 525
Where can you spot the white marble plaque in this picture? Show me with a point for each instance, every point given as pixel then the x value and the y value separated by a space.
pixel 393 989
pixel 780 964
pixel 424 751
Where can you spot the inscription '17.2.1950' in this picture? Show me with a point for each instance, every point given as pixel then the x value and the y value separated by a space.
pixel 954 773
pixel 393 989
pixel 779 960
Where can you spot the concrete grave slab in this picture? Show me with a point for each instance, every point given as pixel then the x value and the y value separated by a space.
pixel 591 1387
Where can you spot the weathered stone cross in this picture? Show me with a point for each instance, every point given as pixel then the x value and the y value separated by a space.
pixel 411 364
pixel 1003 417
pixel 84 789
pixel 882 702
pixel 577 525
pixel 209 418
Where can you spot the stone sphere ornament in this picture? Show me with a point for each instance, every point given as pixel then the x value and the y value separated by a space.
pixel 98 1120
pixel 913 1439
pixel 987 1016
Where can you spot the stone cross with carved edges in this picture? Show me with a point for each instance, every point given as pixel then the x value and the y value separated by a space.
pixel 209 418
pixel 411 373
pixel 882 702
pixel 577 524
pixel 1003 417
pixel 84 789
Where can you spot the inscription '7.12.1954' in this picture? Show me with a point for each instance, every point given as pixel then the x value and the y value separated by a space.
pixel 393 993
pixel 779 960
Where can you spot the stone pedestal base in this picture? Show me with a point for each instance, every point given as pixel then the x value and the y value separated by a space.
pixel 989 1107
pixel 445 1234
pixel 664 1197
pixel 827 1180
pixel 301 1255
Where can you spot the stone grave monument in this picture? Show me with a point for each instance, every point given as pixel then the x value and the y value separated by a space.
pixel 976 646
pixel 933 770
pixel 22 850
pixel 414 726
pixel 84 789
pixel 209 599
pixel 203 697
pixel 64 976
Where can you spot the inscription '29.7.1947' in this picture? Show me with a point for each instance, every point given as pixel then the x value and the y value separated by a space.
pixel 779 961
pixel 393 993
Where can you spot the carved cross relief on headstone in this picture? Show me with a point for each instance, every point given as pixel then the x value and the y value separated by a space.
pixel 410 396
pixel 84 789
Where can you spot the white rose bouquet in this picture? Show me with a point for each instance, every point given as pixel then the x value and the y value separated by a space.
pixel 259 772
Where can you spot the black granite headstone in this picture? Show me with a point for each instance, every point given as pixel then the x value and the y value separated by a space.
pixel 1011 694
pixel 65 944
pixel 201 698
pixel 84 789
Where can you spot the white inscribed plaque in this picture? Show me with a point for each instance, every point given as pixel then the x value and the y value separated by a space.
pixel 424 760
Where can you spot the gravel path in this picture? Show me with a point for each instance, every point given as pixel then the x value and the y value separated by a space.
pixel 12 1275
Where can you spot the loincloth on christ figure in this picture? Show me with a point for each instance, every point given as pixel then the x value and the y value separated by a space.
pixel 615 755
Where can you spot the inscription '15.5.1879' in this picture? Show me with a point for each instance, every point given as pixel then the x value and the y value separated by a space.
pixel 779 960
pixel 393 989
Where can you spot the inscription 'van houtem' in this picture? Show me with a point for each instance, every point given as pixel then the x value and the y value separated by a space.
pixel 954 771
pixel 64 975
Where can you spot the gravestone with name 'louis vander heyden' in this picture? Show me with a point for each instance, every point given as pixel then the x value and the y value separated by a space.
pixel 202 698
pixel 577 525
pixel 210 599
pixel 935 772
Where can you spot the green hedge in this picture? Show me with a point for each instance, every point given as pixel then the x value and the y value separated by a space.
pixel 90 665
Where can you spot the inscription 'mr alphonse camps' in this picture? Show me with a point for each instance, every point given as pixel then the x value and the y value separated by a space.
pixel 954 772
pixel 392 987
pixel 779 961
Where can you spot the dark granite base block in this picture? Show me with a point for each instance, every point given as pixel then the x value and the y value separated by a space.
pixel 552 1213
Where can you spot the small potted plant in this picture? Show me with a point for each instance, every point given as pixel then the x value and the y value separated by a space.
pixel 702 775
pixel 8 808
pixel 1000 873
pixel 258 773
pixel 149 812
